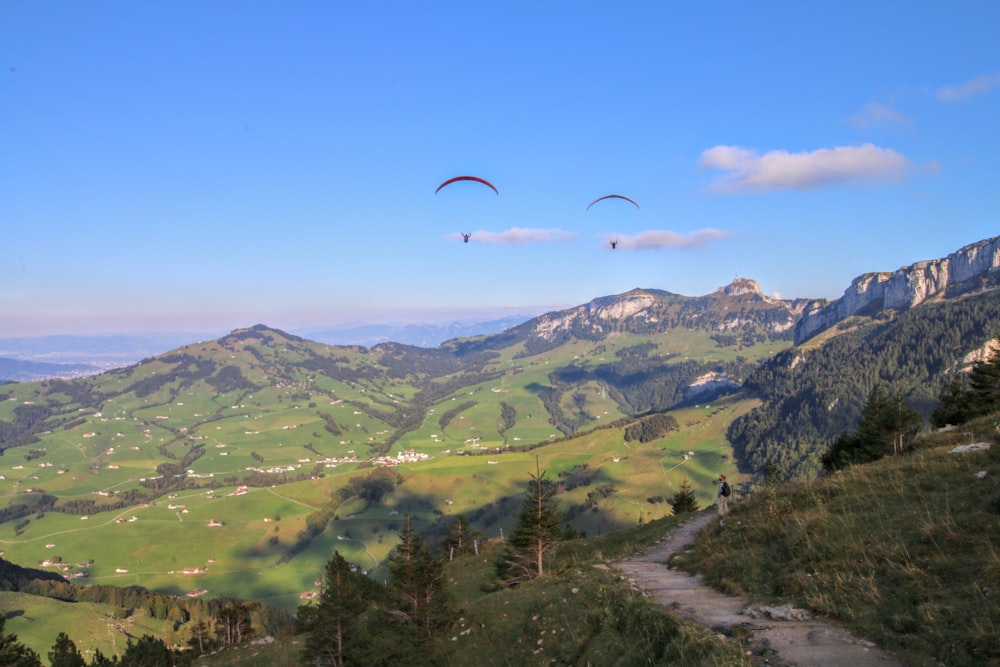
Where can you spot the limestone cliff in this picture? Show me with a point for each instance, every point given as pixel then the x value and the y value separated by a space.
pixel 735 308
pixel 967 268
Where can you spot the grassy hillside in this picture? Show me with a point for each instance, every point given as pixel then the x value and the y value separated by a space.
pixel 222 466
pixel 38 620
pixel 206 467
pixel 242 557
pixel 903 551
pixel 581 613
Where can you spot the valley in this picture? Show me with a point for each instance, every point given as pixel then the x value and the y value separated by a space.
pixel 234 468
pixel 155 478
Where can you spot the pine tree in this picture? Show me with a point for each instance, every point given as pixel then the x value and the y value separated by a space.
pixel 535 535
pixel 416 580
pixel 954 405
pixel 971 395
pixel 887 427
pixel 65 654
pixel 150 650
pixel 684 500
pixel 460 538
pixel 345 596
pixel 101 660
pixel 984 383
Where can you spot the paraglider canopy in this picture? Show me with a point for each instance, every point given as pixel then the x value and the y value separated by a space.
pixel 628 199
pixel 477 179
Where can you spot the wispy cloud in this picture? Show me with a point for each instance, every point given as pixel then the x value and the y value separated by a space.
pixel 962 91
pixel 661 238
pixel 519 236
pixel 875 115
pixel 750 171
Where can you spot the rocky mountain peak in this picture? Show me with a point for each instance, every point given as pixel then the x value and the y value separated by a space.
pixel 741 286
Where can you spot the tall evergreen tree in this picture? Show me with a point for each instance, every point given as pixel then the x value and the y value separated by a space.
pixel 345 596
pixel 535 535
pixel 984 383
pixel 416 580
pixel 101 660
pixel 684 500
pixel 887 427
pixel 954 405
pixel 150 651
pixel 65 654
pixel 460 538
pixel 973 394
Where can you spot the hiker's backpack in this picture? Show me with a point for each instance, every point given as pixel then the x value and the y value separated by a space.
pixel 725 489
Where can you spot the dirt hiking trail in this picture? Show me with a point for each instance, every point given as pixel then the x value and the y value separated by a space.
pixel 775 639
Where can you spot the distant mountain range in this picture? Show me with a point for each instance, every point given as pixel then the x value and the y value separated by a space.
pixel 971 268
pixel 29 359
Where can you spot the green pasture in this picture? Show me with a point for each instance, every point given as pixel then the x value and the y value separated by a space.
pixel 37 621
pixel 241 557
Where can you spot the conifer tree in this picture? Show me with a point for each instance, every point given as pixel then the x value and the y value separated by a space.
pixel 330 623
pixel 416 580
pixel 65 654
pixel 684 500
pixel 150 650
pixel 887 427
pixel 954 405
pixel 973 394
pixel 535 535
pixel 101 660
pixel 984 383
pixel 460 538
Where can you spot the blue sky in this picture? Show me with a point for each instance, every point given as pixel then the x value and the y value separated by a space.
pixel 203 166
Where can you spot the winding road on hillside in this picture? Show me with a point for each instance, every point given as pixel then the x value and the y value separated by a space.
pixel 783 636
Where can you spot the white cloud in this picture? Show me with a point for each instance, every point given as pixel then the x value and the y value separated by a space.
pixel 879 115
pixel 967 89
pixel 666 239
pixel 519 236
pixel 778 170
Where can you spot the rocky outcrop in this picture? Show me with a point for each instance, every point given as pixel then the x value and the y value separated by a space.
pixel 706 387
pixel 904 288
pixel 735 308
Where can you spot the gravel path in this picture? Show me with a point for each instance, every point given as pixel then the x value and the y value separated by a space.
pixel 780 636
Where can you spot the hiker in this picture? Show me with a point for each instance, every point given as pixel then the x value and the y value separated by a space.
pixel 722 500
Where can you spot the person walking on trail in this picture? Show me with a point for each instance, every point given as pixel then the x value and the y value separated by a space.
pixel 722 499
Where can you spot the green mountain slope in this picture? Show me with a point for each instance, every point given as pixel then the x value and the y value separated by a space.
pixel 234 467
pixel 814 392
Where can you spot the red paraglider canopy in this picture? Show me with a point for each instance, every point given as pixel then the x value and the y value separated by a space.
pixel 628 199
pixel 467 178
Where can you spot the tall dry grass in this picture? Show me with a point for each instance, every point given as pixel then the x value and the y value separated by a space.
pixel 904 551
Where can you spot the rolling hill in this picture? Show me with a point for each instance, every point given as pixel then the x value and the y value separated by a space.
pixel 235 466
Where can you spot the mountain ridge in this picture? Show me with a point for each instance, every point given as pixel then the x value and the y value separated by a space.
pixel 736 310
pixel 968 268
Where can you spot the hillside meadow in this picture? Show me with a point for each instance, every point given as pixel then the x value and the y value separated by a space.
pixel 230 540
